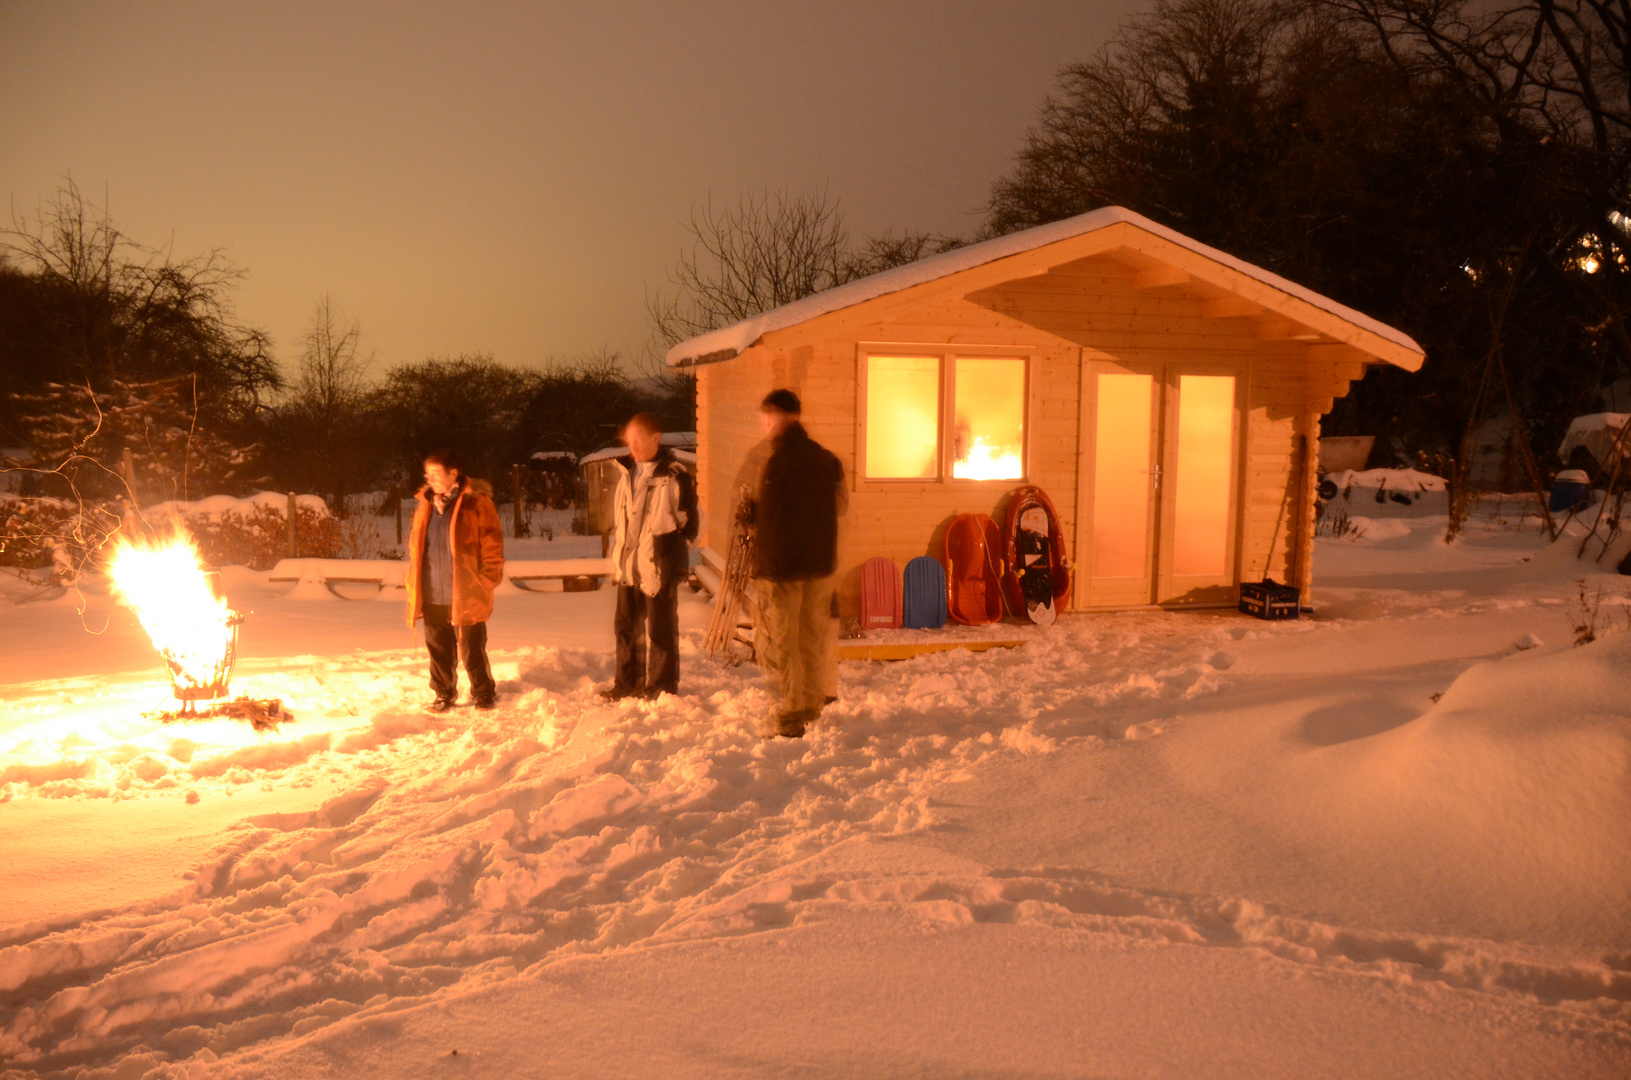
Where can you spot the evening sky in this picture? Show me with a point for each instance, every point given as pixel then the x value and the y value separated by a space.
pixel 510 178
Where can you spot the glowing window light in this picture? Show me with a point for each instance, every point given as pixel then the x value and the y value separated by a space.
pixel 990 431
pixel 902 417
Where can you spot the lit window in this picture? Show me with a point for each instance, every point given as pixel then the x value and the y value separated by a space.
pixel 902 417
pixel 988 438
pixel 978 402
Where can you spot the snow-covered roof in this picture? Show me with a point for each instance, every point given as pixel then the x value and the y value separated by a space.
pixel 730 341
pixel 1601 433
pixel 554 455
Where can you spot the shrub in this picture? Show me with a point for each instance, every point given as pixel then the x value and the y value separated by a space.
pixel 34 530
pixel 260 538
pixel 38 532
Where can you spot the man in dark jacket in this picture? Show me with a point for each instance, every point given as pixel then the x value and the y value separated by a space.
pixel 654 519
pixel 795 519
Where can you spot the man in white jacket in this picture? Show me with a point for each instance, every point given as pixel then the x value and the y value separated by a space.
pixel 654 519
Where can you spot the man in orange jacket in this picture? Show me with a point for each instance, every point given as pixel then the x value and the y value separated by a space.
pixel 455 559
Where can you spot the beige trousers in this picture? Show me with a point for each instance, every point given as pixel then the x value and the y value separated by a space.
pixel 794 637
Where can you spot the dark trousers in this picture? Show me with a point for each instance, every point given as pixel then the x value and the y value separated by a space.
pixel 648 639
pixel 444 642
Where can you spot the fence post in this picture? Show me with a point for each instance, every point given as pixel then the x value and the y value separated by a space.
pixel 127 470
pixel 396 498
pixel 520 504
pixel 294 551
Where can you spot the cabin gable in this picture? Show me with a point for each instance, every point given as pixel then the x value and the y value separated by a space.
pixel 1101 310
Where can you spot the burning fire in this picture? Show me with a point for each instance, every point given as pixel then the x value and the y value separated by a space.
pixel 985 462
pixel 164 582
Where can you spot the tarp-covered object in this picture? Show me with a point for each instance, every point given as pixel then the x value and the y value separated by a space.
pixel 1603 434
pixel 1378 493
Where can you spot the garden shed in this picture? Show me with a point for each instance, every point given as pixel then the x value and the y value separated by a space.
pixel 1166 395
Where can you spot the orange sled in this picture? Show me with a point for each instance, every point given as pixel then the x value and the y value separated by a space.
pixel 974 577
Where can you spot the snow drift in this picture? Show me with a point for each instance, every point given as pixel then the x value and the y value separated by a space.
pixel 1193 843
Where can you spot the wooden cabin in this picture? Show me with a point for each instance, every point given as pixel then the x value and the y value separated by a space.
pixel 1167 396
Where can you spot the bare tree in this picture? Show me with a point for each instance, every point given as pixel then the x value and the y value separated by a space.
pixel 1174 115
pixel 325 420
pixel 888 251
pixel 73 241
pixel 582 401
pixel 1558 69
pixel 332 378
pixel 123 374
pixel 770 249
pixel 1551 80
pixel 469 401
pixel 81 302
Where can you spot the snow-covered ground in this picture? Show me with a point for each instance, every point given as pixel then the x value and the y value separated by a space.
pixel 1391 840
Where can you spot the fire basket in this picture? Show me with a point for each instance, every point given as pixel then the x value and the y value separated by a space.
pixel 210 683
pixel 196 634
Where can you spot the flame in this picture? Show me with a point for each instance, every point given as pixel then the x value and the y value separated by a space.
pixel 164 583
pixel 985 462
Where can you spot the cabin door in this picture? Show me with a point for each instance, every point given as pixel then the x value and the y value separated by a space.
pixel 1160 472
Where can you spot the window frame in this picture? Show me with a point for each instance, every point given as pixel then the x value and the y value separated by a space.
pixel 947 355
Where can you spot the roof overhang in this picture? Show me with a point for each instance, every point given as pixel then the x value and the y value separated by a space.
pixel 1162 258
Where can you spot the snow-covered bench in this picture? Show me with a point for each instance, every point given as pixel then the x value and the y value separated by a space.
pixel 575 575
pixel 314 575
pixel 380 573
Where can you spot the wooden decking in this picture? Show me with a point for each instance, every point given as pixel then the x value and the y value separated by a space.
pixel 905 650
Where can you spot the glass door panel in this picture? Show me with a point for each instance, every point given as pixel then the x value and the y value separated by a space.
pixel 1200 536
pixel 1197 557
pixel 1161 485
pixel 1124 476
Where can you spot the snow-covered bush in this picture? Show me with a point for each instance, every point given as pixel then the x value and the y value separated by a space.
pixel 83 434
pixel 33 530
pixel 259 536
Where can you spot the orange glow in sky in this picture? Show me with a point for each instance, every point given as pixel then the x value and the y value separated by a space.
pixel 512 178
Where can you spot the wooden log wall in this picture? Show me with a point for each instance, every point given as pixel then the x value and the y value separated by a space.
pixel 1096 308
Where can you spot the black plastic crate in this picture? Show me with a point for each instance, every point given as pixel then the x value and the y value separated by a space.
pixel 1268 599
